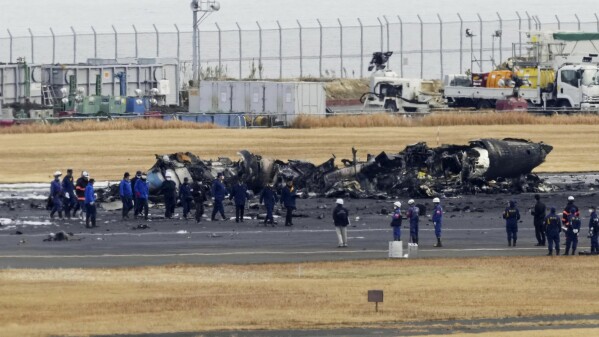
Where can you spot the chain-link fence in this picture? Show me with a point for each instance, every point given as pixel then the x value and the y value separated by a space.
pixel 323 48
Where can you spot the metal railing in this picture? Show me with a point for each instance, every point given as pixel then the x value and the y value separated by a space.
pixel 424 47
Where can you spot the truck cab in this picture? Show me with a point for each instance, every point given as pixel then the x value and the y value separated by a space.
pixel 577 86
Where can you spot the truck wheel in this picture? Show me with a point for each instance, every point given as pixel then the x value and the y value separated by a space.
pixel 484 104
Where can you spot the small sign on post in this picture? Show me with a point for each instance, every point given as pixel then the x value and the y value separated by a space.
pixel 375 296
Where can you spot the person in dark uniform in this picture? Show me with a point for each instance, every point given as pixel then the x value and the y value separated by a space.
pixel 594 231
pixel 269 198
pixel 412 215
pixel 288 196
pixel 68 187
pixel 186 197
pixel 80 186
pixel 239 193
pixel 341 221
pixel 396 221
pixel 169 192
pixel 438 221
pixel 133 182
pixel 219 191
pixel 539 214
pixel 142 192
pixel 511 216
pixel 90 205
pixel 553 226
pixel 198 193
pixel 572 230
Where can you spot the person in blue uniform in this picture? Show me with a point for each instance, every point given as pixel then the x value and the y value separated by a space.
pixel 511 216
pixel 437 220
pixel 126 193
pixel 90 205
pixel 142 192
pixel 56 195
pixel 572 229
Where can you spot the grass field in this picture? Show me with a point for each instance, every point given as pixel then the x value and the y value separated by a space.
pixel 107 154
pixel 293 296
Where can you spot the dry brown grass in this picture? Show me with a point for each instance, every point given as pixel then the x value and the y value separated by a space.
pixel 107 154
pixel 346 89
pixel 112 125
pixel 547 332
pixel 322 295
pixel 442 119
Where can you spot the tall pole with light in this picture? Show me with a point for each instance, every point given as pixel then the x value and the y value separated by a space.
pixel 205 7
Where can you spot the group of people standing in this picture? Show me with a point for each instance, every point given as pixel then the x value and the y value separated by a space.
pixel 72 196
pixel 549 226
pixel 341 221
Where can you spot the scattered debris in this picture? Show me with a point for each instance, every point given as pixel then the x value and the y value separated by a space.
pixel 140 226
pixel 59 236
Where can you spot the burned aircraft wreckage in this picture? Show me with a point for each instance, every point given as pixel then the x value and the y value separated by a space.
pixel 482 166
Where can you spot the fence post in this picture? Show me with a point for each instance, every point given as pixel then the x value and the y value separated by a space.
pixel 280 50
pixel 157 41
pixel 500 38
pixel 440 44
pixel 539 21
pixel 480 21
pixel 577 20
pixel 400 45
pixel 259 47
pixel 10 44
pixel 136 45
pixel 340 48
pixel 461 41
pixel 301 50
pixel 361 48
pixel 381 26
pixel 559 24
pixel 421 46
pixel 320 56
pixel 53 45
pixel 32 46
pixel 387 26
pixel 597 19
pixel 240 48
pixel 178 43
pixel 220 53
pixel 519 34
pixel 116 42
pixel 95 42
pixel 74 45
pixel 528 18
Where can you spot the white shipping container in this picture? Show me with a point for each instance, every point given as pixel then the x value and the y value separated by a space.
pixel 287 99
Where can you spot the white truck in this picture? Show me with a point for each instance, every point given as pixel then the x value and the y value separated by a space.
pixel 576 86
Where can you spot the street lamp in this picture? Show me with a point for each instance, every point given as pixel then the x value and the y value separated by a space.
pixel 205 7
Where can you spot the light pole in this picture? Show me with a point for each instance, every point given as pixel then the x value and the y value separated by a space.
pixel 206 7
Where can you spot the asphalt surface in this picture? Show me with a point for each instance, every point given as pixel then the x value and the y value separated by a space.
pixel 472 227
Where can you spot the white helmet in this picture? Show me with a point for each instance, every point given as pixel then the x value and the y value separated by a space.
pixel 397 204
pixel 411 202
pixel 84 174
pixel 168 176
pixel 339 202
pixel 436 200
pixel 57 174
pixel 570 198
